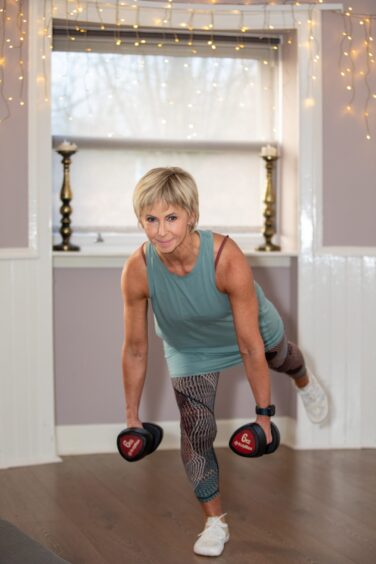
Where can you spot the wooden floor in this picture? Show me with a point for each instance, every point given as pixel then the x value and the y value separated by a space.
pixel 290 507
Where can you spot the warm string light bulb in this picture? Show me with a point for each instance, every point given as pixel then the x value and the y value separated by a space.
pixel 136 26
pixel 22 33
pixel 313 58
pixel 46 48
pixel 346 55
pixel 117 38
pixel 310 41
pixel 367 33
pixel 243 28
pixel 211 42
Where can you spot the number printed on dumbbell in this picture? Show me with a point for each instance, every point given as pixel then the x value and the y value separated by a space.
pixel 131 445
pixel 134 443
pixel 245 440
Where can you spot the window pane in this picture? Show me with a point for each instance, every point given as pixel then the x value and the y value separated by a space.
pixel 164 97
pixel 230 186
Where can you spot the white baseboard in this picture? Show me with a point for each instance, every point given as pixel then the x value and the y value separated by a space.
pixel 19 462
pixel 90 439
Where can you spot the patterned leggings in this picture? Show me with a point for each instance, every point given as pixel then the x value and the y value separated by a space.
pixel 195 396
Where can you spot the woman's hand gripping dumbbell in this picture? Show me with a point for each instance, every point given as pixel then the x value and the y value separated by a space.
pixel 250 439
pixel 135 443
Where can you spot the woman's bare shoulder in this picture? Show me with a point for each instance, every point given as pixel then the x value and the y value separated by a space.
pixel 232 267
pixel 229 247
pixel 134 282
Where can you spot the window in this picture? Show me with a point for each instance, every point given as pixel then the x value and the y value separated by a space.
pixel 131 110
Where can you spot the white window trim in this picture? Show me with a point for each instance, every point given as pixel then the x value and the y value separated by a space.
pixel 281 17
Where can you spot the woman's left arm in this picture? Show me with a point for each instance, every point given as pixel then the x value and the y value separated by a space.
pixel 234 277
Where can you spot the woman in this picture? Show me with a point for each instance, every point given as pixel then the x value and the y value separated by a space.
pixel 211 315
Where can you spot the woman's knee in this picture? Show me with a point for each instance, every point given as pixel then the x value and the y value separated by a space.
pixel 286 357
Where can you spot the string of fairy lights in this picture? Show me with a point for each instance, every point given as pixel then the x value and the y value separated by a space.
pixel 356 61
pixel 348 67
pixel 12 17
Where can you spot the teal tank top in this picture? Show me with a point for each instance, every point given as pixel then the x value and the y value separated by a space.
pixel 194 319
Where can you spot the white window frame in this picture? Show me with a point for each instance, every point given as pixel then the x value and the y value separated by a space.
pixel 309 176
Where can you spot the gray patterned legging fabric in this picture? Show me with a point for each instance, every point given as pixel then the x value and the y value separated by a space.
pixel 195 396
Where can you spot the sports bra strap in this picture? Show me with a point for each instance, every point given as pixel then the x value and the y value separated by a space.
pixel 142 249
pixel 224 241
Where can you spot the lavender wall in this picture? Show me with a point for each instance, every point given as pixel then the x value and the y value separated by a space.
pixel 13 142
pixel 349 198
pixel 88 333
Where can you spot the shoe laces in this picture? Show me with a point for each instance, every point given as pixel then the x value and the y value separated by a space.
pixel 312 391
pixel 211 531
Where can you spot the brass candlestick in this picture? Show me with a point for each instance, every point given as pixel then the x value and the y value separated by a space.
pixel 66 197
pixel 269 201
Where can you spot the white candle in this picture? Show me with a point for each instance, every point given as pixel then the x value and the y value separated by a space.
pixel 66 146
pixel 269 151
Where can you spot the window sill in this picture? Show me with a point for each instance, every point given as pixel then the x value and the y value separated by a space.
pixel 114 251
pixel 111 258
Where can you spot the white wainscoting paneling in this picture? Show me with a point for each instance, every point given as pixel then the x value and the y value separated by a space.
pixel 27 433
pixel 336 305
pixel 337 320
pixel 27 419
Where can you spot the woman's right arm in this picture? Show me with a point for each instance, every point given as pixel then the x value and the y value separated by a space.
pixel 135 347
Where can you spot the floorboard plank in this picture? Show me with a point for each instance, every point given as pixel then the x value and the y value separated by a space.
pixel 294 507
pixel 26 504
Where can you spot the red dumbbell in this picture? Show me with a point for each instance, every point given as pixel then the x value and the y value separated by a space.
pixel 135 443
pixel 250 440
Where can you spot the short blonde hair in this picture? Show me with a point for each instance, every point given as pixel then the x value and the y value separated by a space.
pixel 171 185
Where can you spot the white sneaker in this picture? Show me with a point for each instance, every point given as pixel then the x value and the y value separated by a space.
pixel 315 399
pixel 211 541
